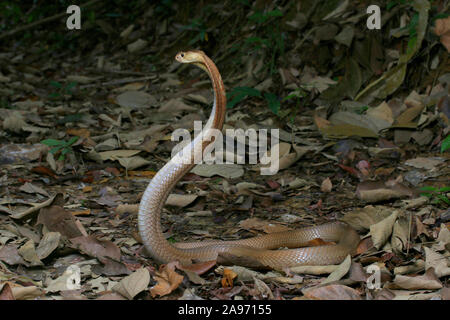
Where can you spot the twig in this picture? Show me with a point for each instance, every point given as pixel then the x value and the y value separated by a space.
pixel 42 21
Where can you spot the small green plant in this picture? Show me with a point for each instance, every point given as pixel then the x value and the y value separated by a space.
pixel 437 195
pixel 445 144
pixel 60 146
pixel 62 90
pixel 297 96
pixel 240 93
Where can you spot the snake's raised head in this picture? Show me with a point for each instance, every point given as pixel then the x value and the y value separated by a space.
pixel 195 57
pixel 190 57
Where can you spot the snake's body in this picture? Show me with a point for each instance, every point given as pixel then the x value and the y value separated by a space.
pixel 259 249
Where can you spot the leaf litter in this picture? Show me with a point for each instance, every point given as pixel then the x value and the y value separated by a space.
pixel 363 139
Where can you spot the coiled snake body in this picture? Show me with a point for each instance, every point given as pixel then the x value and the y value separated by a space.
pixel 258 249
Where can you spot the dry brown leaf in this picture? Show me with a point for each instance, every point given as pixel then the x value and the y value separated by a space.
pixel 263 225
pixel 180 200
pixel 96 247
pixel 168 280
pixel 56 219
pixel 442 29
pixel 6 292
pixel 438 261
pixel 228 278
pixel 375 191
pixel 427 281
pixel 326 185
pixel 341 271
pixel 133 284
pixel 28 253
pixel 333 292
pixel 382 230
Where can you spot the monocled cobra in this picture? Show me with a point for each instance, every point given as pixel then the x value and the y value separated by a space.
pixel 261 248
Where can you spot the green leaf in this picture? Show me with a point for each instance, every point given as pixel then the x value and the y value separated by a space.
pixel 274 103
pixel 72 141
pixel 70 86
pixel 444 189
pixel 66 150
pixel 247 91
pixel 428 188
pixel 443 198
pixel 53 142
pixel 445 144
pixel 238 98
pixel 428 195
pixel 56 84
pixel 239 93
pixel 55 149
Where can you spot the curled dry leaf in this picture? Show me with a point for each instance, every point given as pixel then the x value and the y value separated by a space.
pixel 135 99
pixel 228 171
pixel 332 292
pixel 18 214
pixel 10 255
pixel 180 200
pixel 133 284
pixel 26 293
pixel 262 289
pixel 6 292
pixel 48 243
pixel 56 219
pixel 382 230
pixel 96 247
pixel 439 262
pixel 375 191
pixel 228 278
pixel 341 271
pixel 168 280
pixel 28 253
pixel 362 219
pixel 427 281
pixel 258 224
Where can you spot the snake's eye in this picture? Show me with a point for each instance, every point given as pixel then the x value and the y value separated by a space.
pixel 182 55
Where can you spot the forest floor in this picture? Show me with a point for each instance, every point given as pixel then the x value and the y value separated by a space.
pixel 364 137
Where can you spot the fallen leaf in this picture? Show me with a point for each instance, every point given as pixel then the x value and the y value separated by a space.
pixel 332 292
pixel 438 262
pixel 427 281
pixel 326 185
pixel 97 248
pixel 48 244
pixel 442 29
pixel 228 171
pixel 167 280
pixel 28 253
pixel 382 230
pixel 6 293
pixel 341 271
pixel 133 284
pixel 228 278
pixel 375 191
pixel 135 99
pixel 56 219
pixel 180 200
